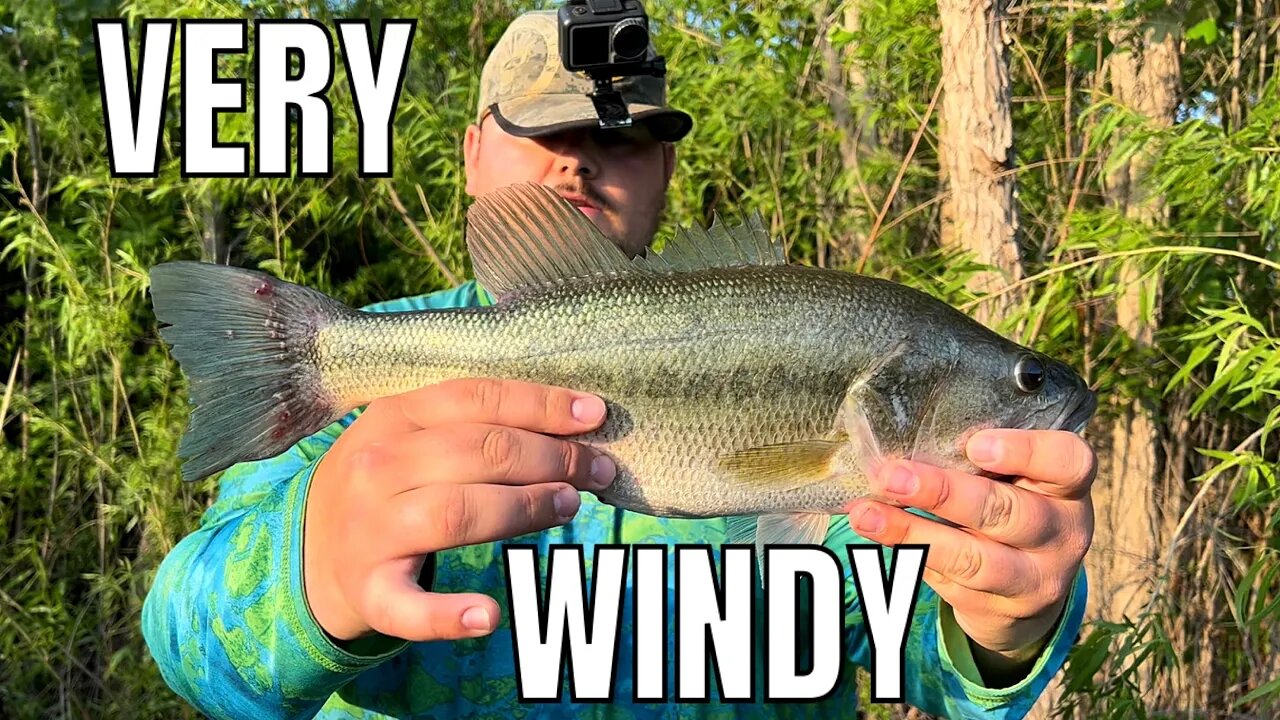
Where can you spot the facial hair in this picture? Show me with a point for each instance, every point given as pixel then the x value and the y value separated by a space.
pixel 645 235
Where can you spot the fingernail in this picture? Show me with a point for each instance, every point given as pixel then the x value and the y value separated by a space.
pixel 587 409
pixel 566 502
pixel 871 521
pixel 603 470
pixel 476 618
pixel 983 449
pixel 901 481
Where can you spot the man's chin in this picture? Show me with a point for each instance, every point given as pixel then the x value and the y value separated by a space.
pixel 610 229
pixel 602 223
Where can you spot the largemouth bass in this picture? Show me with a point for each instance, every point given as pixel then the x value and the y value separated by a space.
pixel 736 384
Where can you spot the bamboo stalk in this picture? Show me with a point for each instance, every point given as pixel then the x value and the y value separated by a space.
pixel 8 387
pixel 1260 16
pixel 1237 110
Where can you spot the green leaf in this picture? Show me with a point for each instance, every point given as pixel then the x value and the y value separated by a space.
pixel 1258 692
pixel 1206 30
pixel 1088 658
pixel 839 37
pixel 1085 55
pixel 1197 356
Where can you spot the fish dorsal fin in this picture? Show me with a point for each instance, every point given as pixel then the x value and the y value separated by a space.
pixel 526 235
pixel 694 248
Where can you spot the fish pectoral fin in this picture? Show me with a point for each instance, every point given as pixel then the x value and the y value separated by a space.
pixel 865 446
pixel 786 466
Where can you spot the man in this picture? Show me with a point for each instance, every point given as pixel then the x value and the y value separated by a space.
pixel 308 588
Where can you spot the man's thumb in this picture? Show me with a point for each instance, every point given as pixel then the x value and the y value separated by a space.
pixel 398 607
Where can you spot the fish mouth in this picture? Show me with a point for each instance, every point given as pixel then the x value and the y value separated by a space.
pixel 1075 417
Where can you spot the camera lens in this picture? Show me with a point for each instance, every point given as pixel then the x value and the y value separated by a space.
pixel 630 40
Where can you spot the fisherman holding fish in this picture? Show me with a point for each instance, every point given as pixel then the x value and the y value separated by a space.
pixel 585 391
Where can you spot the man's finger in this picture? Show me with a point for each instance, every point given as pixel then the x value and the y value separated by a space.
pixel 963 558
pixel 397 606
pixel 997 510
pixel 540 408
pixel 1057 462
pixel 437 517
pixel 503 455
pixel 960 598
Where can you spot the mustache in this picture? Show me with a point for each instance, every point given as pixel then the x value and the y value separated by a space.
pixel 586 190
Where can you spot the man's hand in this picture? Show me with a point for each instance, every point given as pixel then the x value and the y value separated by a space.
pixel 1008 567
pixel 458 463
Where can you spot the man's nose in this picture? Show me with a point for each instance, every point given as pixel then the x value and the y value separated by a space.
pixel 573 159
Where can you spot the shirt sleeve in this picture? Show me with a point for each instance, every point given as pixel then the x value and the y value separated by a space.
pixel 939 673
pixel 226 618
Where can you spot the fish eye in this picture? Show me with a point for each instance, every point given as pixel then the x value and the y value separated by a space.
pixel 1029 374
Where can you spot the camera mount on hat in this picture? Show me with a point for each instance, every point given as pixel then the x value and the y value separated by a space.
pixel 607 39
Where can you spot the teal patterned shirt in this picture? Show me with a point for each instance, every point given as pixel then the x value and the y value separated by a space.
pixel 227 619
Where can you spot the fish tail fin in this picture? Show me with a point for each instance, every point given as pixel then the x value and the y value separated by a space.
pixel 246 342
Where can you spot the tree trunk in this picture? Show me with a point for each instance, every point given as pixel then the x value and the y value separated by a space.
pixel 1129 498
pixel 979 214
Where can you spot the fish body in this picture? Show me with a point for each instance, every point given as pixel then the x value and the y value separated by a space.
pixel 735 384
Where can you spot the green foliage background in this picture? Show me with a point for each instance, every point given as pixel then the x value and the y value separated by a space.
pixel 92 407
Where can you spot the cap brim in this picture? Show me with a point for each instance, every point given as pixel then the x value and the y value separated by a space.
pixel 549 114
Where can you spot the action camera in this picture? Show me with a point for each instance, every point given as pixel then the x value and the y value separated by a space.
pixel 598 35
pixel 607 39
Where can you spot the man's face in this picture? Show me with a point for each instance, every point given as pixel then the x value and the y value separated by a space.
pixel 618 178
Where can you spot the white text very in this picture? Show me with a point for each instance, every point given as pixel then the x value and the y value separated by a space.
pixel 134 114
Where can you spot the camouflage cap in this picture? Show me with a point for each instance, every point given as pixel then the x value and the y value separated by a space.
pixel 530 93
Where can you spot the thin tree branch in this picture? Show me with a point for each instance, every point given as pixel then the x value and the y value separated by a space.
pixel 902 170
pixel 1171 249
pixel 417 233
